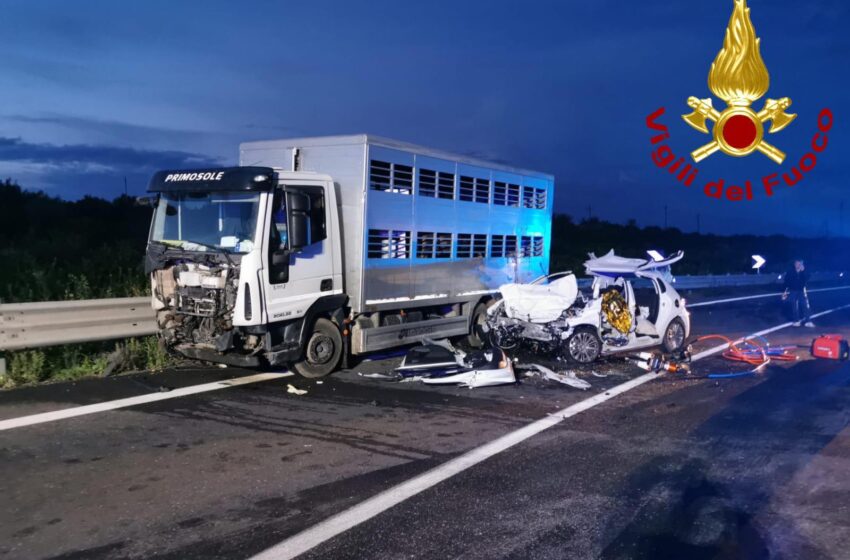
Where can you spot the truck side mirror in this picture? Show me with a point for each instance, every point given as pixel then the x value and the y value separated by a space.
pixel 298 220
pixel 279 269
pixel 147 201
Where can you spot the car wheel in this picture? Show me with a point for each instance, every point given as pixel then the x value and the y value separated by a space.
pixel 674 336
pixel 500 337
pixel 476 336
pixel 323 351
pixel 584 346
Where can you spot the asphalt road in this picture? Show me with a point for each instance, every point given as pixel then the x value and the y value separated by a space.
pixel 739 468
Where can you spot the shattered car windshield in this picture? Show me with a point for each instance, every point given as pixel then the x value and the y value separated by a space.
pixel 203 221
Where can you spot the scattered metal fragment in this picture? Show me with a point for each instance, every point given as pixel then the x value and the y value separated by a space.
pixel 566 378
pixel 379 376
pixel 294 390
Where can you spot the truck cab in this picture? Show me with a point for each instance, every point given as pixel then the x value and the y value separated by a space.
pixel 242 263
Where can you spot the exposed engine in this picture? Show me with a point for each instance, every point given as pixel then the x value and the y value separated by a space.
pixel 194 305
pixel 507 332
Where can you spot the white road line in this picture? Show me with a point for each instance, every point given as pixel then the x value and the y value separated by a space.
pixel 345 520
pixel 743 298
pixel 133 401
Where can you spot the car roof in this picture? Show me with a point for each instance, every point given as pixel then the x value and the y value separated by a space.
pixel 614 266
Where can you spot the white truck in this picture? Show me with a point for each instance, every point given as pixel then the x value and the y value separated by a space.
pixel 314 249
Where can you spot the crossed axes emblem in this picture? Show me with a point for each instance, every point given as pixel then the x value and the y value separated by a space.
pixel 738 130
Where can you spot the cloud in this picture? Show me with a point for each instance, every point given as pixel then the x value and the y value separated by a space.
pixel 110 129
pixel 102 157
pixel 75 170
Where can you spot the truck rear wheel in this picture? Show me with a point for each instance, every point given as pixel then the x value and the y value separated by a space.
pixel 323 351
pixel 476 336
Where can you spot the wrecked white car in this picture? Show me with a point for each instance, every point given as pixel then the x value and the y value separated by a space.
pixel 631 305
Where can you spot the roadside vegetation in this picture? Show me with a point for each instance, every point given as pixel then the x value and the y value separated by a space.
pixel 53 249
pixel 704 253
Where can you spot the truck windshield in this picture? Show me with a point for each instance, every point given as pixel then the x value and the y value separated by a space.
pixel 202 221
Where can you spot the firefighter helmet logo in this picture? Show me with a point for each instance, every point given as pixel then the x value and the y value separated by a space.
pixel 739 77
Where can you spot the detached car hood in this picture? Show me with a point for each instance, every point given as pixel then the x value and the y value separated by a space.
pixel 539 303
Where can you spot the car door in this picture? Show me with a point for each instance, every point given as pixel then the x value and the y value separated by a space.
pixel 666 309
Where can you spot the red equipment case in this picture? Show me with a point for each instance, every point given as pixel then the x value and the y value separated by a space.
pixel 831 347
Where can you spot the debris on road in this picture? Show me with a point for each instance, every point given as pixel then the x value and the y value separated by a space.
pixel 294 390
pixel 437 362
pixel 379 376
pixel 496 371
pixel 566 378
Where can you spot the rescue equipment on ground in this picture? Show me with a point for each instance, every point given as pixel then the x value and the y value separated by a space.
pixel 830 347
pixel 755 351
pixel 658 363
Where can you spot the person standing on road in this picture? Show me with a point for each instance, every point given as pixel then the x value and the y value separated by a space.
pixel 795 290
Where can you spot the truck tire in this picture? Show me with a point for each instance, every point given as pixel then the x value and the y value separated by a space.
pixel 674 336
pixel 476 337
pixel 584 346
pixel 322 352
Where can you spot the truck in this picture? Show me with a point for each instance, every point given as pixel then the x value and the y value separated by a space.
pixel 314 250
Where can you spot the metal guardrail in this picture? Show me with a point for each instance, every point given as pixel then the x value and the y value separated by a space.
pixel 49 323
pixel 741 280
pixel 734 280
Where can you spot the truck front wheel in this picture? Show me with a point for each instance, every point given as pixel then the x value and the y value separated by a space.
pixel 323 351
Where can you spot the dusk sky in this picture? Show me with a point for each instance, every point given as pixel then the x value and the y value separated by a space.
pixel 93 92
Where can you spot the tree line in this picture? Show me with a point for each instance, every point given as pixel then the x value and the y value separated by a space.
pixel 93 248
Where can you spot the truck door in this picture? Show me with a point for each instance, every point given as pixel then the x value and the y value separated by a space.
pixel 299 258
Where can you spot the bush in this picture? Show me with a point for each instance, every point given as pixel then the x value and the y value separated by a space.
pixel 147 354
pixel 27 367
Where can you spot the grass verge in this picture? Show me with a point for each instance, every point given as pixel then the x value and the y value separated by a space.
pixel 76 361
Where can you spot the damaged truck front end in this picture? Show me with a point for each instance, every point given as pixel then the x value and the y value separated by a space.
pixel 203 236
pixel 195 303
